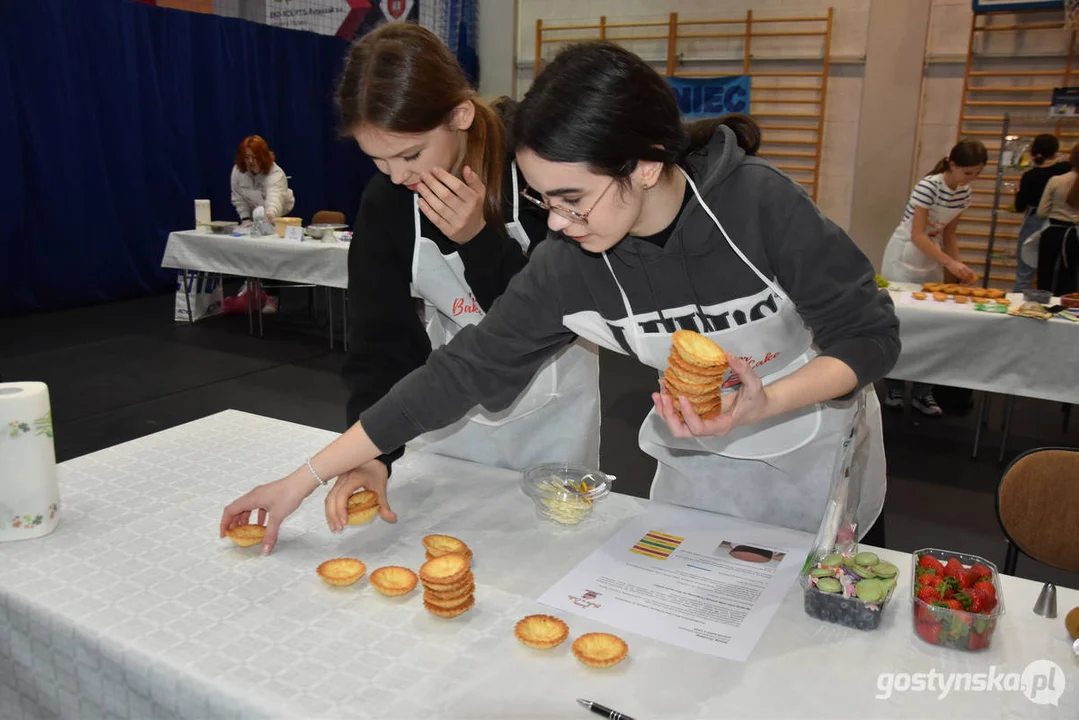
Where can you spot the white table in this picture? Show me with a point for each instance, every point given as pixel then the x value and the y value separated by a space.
pixel 134 608
pixel 949 344
pixel 312 262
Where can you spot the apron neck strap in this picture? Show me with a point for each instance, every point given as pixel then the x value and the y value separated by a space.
pixel 416 214
pixel 737 251
pixel 632 324
pixel 516 194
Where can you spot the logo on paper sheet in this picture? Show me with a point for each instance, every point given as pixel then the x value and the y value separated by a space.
pixel 586 598
pixel 1041 682
pixel 396 9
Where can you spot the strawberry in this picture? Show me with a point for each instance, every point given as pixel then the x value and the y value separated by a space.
pixel 972 600
pixel 986 587
pixel 983 572
pixel 954 569
pixel 977 641
pixel 927 594
pixel 923 614
pixel 931 563
pixel 948 587
pixel 953 604
pixel 960 625
pixel 968 578
pixel 932 581
pixel 930 632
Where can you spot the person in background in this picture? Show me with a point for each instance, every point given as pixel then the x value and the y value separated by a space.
pixel 661 227
pixel 1043 152
pixel 924 244
pixel 443 221
pixel 1058 250
pixel 258 181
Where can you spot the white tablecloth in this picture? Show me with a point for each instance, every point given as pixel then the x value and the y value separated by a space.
pixel 134 608
pixel 267 258
pixel 949 344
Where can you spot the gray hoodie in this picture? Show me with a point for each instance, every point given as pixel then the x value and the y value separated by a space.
pixel 695 279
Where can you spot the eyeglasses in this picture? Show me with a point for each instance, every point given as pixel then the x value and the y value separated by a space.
pixel 571 215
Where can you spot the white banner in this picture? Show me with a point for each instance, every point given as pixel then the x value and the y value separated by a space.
pixel 346 18
pixel 321 16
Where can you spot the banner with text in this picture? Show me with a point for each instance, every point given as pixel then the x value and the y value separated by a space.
pixel 709 97
pixel 347 19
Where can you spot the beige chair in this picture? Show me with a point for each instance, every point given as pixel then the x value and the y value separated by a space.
pixel 1038 508
pixel 328 217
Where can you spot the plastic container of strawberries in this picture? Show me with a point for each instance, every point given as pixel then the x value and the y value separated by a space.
pixel 956 629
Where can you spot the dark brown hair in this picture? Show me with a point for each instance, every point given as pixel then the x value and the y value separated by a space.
pixel 966 153
pixel 1044 147
pixel 1073 194
pixel 402 78
pixel 598 103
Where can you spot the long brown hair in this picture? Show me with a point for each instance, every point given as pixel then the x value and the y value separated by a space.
pixel 1073 194
pixel 402 78
pixel 966 153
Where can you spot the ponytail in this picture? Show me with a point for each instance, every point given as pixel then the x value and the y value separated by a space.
pixel 484 156
pixel 746 131
pixel 1073 194
pixel 940 167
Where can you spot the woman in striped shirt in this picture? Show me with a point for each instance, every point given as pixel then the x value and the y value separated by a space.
pixel 924 244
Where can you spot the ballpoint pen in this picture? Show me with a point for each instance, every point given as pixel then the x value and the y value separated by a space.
pixel 604 711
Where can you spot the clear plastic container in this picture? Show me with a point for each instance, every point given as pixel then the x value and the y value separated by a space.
pixel 841 607
pixel 565 494
pixel 1038 296
pixel 957 629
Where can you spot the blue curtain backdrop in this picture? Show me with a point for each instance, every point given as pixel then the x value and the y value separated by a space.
pixel 115 116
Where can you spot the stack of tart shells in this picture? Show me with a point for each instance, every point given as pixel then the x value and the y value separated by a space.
pixel 448 583
pixel 696 370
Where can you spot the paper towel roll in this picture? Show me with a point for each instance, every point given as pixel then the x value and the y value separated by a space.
pixel 202 215
pixel 29 493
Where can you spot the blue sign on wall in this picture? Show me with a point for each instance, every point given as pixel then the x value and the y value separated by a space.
pixel 982 6
pixel 707 97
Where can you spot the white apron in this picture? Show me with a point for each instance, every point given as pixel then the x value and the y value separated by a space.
pixel 777 472
pixel 904 262
pixel 555 419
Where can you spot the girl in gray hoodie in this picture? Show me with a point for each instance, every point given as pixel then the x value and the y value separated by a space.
pixel 659 227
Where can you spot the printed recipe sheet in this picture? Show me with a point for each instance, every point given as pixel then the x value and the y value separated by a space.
pixel 699 580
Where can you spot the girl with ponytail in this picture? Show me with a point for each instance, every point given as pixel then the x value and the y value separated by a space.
pixel 1058 249
pixel 1043 156
pixel 660 227
pixel 924 244
pixel 441 221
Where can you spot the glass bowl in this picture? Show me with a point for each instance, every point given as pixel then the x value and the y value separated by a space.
pixel 565 494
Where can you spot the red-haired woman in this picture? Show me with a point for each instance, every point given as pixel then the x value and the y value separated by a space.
pixel 258 181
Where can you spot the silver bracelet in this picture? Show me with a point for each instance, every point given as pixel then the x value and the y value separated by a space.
pixel 312 469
